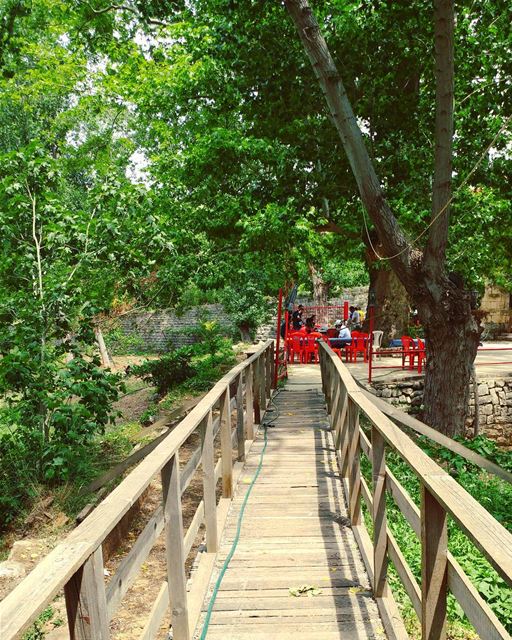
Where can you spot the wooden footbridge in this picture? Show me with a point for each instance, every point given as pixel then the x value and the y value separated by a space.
pixel 286 552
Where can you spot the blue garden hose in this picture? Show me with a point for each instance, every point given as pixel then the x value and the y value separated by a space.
pixel 235 541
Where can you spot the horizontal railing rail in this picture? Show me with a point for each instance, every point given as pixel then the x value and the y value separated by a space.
pixel 77 565
pixel 441 496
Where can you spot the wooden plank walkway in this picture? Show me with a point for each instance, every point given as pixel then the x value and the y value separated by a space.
pixel 295 532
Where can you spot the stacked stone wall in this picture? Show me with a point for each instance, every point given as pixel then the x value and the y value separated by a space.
pixel 494 401
pixel 157 331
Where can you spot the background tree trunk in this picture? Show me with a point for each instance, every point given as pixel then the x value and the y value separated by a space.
pixel 105 359
pixel 245 332
pixel 320 287
pixel 391 299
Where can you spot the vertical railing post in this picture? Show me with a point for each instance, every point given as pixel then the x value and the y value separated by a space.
pixel 86 602
pixel 341 421
pixel 226 445
pixel 321 359
pixel 380 538
pixel 174 551
pixel 335 406
pixel 249 401
pixel 262 375
pixel 210 500
pixel 434 549
pixel 240 431
pixel 256 390
pixel 354 471
pixel 343 439
pixel 328 384
pixel 268 372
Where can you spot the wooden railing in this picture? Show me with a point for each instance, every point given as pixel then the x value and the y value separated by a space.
pixel 441 496
pixel 77 565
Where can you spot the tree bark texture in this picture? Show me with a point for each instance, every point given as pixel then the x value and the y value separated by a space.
pixel 320 287
pixel 392 303
pixel 443 304
pixel 435 251
pixel 451 352
pixel 392 236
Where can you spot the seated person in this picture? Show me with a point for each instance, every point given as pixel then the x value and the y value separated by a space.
pixel 344 333
pixel 297 318
pixel 310 323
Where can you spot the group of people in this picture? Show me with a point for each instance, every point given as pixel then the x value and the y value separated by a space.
pixel 339 335
pixel 309 324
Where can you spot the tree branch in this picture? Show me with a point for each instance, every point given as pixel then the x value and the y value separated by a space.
pixel 124 7
pixel 435 251
pixel 394 242
pixel 333 227
pixel 37 242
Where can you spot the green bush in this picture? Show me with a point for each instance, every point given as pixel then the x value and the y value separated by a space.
pixel 196 366
pixel 120 344
pixel 166 372
pixel 54 408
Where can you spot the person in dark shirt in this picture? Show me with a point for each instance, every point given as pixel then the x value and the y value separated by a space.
pixel 310 323
pixel 297 318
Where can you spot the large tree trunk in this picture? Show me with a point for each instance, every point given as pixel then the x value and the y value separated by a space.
pixel 443 305
pixel 451 351
pixel 392 303
pixel 320 287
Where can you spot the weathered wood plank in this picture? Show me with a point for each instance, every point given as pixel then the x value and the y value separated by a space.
pixel 209 499
pixel 86 603
pixel 226 446
pixel 174 548
pixel 434 575
pixel 240 431
pixel 132 562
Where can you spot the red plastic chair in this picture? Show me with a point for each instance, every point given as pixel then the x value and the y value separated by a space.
pixel 311 347
pixel 359 345
pixel 297 348
pixel 420 353
pixel 408 349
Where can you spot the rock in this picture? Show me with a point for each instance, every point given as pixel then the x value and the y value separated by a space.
pixel 386 393
pixel 60 520
pixel 494 397
pixel 28 551
pixel 12 569
pixel 486 409
pixel 500 383
pixel 483 390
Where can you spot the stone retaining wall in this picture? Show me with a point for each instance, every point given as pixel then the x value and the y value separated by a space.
pixel 494 404
pixel 158 330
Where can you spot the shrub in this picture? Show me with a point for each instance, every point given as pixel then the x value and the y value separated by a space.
pixel 166 372
pixel 119 343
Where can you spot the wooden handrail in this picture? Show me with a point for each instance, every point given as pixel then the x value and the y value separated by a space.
pixel 441 496
pixel 410 422
pixel 75 562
